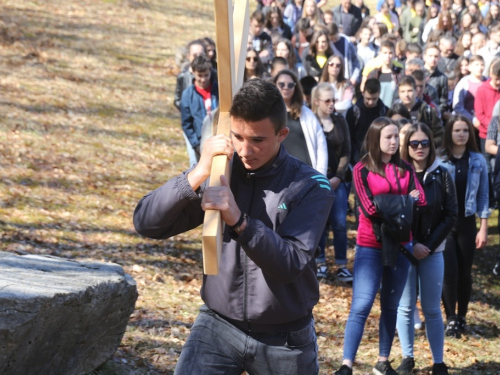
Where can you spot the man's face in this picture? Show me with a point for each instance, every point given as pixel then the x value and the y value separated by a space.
pixel 446 48
pixel 419 9
pixel 386 54
pixel 431 58
pixel 194 51
pixel 495 81
pixel 420 86
pixel 370 100
pixel 476 68
pixel 407 95
pixel 202 79
pixel 328 18
pixel 256 143
pixel 478 42
pixel 255 27
pixel 346 4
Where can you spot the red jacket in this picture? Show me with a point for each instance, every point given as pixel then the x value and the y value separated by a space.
pixel 486 98
pixel 368 184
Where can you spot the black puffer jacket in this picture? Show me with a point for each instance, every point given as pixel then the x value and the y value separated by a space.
pixel 434 221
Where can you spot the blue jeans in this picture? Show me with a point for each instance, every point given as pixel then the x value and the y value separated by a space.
pixel 429 274
pixel 191 152
pixel 215 347
pixel 337 221
pixel 368 272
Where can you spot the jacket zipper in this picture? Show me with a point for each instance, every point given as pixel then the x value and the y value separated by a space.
pixel 245 260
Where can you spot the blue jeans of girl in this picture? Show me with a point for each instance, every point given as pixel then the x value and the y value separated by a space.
pixel 368 273
pixel 337 221
pixel 429 275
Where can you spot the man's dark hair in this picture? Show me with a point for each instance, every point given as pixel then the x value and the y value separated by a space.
pixel 387 44
pixel 258 16
pixel 201 64
pixel 303 24
pixel 418 75
pixel 277 60
pixel 407 81
pixel 257 100
pixel 333 29
pixel 399 109
pixel 414 48
pixel 372 86
pixel 308 83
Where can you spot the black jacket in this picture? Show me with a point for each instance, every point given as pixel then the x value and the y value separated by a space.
pixel 440 82
pixel 433 222
pixel 359 118
pixel 353 17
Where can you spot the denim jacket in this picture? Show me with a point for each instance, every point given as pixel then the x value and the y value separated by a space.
pixel 476 194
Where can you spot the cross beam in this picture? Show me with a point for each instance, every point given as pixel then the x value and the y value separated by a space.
pixel 231 35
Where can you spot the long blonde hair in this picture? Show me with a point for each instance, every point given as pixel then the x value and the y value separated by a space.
pixel 317 18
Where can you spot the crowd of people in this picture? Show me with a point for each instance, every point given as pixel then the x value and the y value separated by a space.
pixel 389 104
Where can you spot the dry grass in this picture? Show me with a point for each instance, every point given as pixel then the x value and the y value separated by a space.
pixel 87 127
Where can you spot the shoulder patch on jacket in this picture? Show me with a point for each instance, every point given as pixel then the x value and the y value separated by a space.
pixel 322 181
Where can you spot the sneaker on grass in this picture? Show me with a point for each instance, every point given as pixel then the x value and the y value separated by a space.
pixel 439 369
pixel 406 367
pixel 343 370
pixel 344 275
pixel 322 271
pixel 384 368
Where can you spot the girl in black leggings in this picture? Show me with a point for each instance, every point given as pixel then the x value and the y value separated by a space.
pixel 469 171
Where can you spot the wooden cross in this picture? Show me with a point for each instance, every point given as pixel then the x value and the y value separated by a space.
pixel 231 36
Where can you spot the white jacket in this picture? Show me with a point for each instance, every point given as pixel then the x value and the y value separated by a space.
pixel 315 140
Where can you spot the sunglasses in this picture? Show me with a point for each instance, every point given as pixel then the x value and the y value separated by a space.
pixel 252 59
pixel 414 144
pixel 337 65
pixel 327 101
pixel 289 85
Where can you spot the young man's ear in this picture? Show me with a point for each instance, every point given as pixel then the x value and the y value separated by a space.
pixel 282 133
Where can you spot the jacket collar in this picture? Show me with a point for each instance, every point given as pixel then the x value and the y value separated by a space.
pixel 266 171
pixel 433 167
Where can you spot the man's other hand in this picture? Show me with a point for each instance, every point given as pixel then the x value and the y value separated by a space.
pixel 216 145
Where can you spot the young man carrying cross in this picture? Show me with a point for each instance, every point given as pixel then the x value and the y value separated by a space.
pixel 257 315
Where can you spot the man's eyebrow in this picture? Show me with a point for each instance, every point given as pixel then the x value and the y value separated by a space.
pixel 254 137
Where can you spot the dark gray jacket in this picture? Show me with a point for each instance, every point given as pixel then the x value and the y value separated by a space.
pixel 440 82
pixel 267 276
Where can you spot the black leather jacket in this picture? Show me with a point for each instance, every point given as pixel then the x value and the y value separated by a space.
pixel 434 221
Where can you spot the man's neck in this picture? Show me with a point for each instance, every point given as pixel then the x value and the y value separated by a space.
pixel 202 88
pixel 431 70
pixel 409 106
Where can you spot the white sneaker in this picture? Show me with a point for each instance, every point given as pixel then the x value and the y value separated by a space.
pixel 416 317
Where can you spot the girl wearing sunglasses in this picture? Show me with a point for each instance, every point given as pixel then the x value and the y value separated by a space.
pixel 380 171
pixel 339 153
pixel 333 73
pixel 306 140
pixel 468 169
pixel 431 226
pixel 254 67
